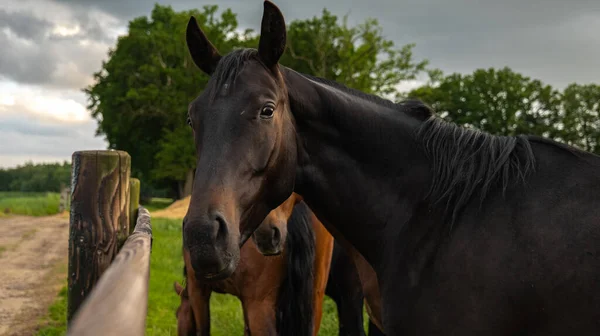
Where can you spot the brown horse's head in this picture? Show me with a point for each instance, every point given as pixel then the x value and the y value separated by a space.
pixel 186 325
pixel 270 236
pixel 245 144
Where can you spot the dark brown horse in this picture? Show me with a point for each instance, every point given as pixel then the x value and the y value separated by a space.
pixel 280 295
pixel 469 233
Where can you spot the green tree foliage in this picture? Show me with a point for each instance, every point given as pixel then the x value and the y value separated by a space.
pixel 45 177
pixel 359 57
pixel 141 94
pixel 176 155
pixel 504 102
pixel 500 102
pixel 580 116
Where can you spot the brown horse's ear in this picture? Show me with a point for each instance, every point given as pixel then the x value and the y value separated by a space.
pixel 204 53
pixel 272 35
pixel 177 287
pixel 297 198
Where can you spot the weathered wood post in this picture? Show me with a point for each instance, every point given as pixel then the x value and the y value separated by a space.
pixel 134 202
pixel 119 303
pixel 99 220
pixel 62 205
pixel 65 199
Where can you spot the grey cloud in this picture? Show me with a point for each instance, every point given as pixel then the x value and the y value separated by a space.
pixel 128 9
pixel 57 140
pixel 33 54
pixel 90 28
pixel 24 25
pixel 547 39
pixel 24 63
pixel 59 64
pixel 28 127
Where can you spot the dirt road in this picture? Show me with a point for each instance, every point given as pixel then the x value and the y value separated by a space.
pixel 33 256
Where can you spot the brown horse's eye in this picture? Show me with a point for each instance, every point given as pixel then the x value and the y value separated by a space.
pixel 189 121
pixel 267 112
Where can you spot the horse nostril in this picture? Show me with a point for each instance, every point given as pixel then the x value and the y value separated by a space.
pixel 222 229
pixel 276 238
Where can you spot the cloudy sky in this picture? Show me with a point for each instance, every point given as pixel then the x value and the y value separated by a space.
pixel 50 48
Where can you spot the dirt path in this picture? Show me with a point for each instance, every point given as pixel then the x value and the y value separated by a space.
pixel 33 255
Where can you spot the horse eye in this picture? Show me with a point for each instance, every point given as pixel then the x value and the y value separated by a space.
pixel 189 121
pixel 267 112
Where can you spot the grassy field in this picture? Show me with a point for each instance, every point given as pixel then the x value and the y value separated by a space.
pixel 158 204
pixel 47 203
pixel 30 204
pixel 166 266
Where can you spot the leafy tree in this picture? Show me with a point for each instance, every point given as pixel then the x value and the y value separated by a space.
pixel 142 91
pixel 359 57
pixel 497 101
pixel 580 116
pixel 176 156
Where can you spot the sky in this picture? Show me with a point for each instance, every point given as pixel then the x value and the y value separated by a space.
pixel 51 48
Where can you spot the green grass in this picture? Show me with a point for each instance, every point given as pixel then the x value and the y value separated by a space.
pixel 166 266
pixel 55 323
pixel 158 204
pixel 30 204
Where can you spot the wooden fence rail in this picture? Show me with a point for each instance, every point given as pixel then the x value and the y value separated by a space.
pixel 118 303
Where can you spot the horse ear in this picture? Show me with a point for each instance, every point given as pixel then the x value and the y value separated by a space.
pixel 272 35
pixel 204 53
pixel 297 198
pixel 177 287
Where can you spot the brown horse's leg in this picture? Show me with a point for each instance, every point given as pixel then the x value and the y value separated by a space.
pixel 259 317
pixel 199 298
pixel 368 279
pixel 323 252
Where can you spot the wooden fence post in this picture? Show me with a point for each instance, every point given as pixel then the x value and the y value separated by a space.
pixel 119 303
pixel 134 202
pixel 64 196
pixel 99 221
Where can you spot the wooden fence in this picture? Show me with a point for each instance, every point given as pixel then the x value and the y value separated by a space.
pixel 110 239
pixel 65 200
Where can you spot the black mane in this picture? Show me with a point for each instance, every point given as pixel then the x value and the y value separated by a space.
pixel 412 107
pixel 464 161
pixel 357 93
pixel 229 68
pixel 295 315
pixel 468 161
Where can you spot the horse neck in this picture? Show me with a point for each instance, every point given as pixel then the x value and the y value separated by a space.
pixel 359 167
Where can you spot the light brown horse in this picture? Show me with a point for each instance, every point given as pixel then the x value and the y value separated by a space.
pixel 362 268
pixel 280 294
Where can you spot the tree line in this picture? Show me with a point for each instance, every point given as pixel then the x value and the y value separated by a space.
pixel 31 177
pixel 504 102
pixel 141 93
